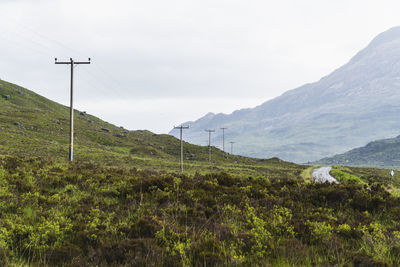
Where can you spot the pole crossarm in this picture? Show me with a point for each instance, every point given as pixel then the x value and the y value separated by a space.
pixel 72 61
pixel 182 127
pixel 71 109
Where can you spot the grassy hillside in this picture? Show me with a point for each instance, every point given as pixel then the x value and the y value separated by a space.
pixel 33 126
pixel 381 153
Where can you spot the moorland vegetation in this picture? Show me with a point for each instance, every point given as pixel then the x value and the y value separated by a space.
pixel 85 214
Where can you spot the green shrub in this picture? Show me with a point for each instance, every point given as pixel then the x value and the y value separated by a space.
pixel 320 231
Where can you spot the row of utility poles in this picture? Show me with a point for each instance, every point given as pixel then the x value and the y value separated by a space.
pixel 182 127
pixel 72 63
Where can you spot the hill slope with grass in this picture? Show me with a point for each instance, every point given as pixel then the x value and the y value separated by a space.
pixel 34 126
pixel 380 153
pixel 348 108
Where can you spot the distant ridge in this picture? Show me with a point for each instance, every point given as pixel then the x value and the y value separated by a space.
pixel 355 104
pixel 380 153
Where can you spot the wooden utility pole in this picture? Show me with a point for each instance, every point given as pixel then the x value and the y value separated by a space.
pixel 71 107
pixel 232 147
pixel 223 138
pixel 181 128
pixel 209 143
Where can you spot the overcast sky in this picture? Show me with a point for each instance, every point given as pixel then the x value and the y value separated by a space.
pixel 157 63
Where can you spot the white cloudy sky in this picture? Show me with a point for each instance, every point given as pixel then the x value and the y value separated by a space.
pixel 157 63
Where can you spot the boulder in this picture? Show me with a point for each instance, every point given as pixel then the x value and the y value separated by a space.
pixel 19 125
pixel 105 130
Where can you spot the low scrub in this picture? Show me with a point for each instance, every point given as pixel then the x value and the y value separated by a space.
pixel 86 214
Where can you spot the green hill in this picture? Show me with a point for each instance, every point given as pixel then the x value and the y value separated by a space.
pixel 381 153
pixel 34 126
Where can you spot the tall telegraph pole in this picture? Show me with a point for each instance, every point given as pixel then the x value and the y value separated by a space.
pixel 181 128
pixel 209 143
pixel 223 138
pixel 71 107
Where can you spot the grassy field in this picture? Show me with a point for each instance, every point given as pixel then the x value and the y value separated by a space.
pixel 123 201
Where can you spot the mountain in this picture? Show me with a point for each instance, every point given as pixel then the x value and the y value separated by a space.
pixel 348 108
pixel 385 152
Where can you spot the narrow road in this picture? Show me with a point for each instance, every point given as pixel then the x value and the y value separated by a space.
pixel 322 175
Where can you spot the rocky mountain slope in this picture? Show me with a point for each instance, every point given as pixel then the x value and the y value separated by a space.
pixel 348 108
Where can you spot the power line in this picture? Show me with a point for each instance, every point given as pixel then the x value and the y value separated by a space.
pixel 209 143
pixel 181 128
pixel 101 80
pixel 223 138
pixel 71 108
